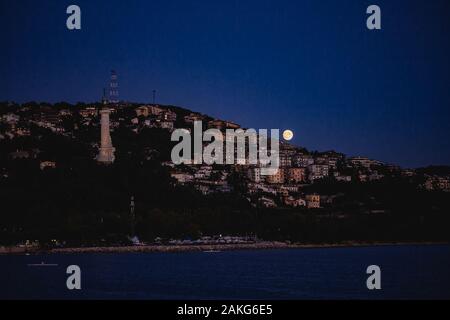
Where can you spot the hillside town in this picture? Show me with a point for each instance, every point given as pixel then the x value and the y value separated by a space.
pixel 289 187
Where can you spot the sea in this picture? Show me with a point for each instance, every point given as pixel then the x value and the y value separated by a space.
pixel 406 272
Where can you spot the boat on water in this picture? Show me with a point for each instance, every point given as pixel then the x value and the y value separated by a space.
pixel 42 264
pixel 212 251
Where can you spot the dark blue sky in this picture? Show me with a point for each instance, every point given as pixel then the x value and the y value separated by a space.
pixel 311 66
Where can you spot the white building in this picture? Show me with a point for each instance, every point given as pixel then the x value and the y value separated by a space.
pixel 254 174
pixel 106 150
pixel 318 171
pixel 303 161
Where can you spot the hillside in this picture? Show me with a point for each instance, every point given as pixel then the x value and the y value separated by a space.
pixel 52 188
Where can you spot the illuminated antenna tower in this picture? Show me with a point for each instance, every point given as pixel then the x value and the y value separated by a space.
pixel 113 88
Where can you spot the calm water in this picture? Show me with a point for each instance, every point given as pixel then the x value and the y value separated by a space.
pixel 408 272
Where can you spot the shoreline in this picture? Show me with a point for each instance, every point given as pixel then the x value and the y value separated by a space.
pixel 265 245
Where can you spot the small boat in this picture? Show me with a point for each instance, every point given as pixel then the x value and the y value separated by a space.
pixel 42 264
pixel 212 251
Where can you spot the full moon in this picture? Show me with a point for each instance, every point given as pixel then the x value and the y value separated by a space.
pixel 288 135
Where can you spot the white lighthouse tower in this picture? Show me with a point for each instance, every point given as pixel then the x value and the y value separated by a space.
pixel 106 150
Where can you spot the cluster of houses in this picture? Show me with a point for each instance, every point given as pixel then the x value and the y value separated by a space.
pixel 154 116
pixel 284 188
pixel 437 183
pixel 19 125
pixel 298 168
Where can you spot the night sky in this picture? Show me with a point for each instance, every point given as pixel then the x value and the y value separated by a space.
pixel 310 66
